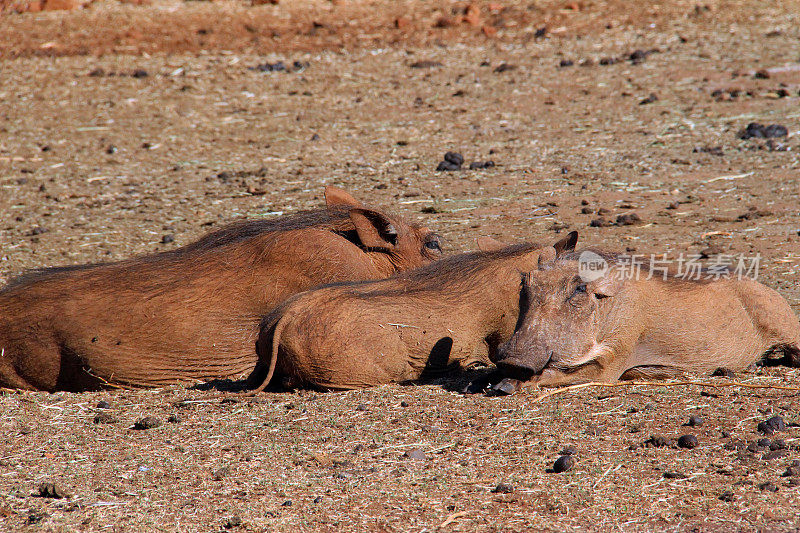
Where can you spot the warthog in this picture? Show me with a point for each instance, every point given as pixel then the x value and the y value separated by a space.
pixel 619 327
pixel 449 314
pixel 191 313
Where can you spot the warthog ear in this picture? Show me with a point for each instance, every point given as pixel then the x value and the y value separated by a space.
pixel 335 196
pixel 567 244
pixel 548 253
pixel 375 229
pixel 608 285
pixel 488 244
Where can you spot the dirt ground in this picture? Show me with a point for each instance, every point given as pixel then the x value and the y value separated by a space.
pixel 128 129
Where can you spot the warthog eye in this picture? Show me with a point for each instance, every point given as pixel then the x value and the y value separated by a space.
pixel 433 244
pixel 581 288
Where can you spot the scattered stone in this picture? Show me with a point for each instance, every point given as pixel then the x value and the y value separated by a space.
pixel 361 407
pixel 220 473
pixel 414 454
pixel 174 419
pixel 139 73
pixel 649 100
pixel 270 67
pixel 713 150
pixel 775 454
pixel 569 450
pixel 724 373
pixel 792 471
pixel 404 403
pixel 102 404
pixel 315 137
pixel 605 61
pixel 104 418
pixel 593 431
pixel 425 63
pixel 727 496
pixel 768 486
pixel 506 387
pixel 232 522
pixel 675 475
pixel 638 56
pixel 111 149
pixel 771 425
pixel 759 131
pixel 148 422
pixel 48 489
pixel 688 442
pixel 504 67
pixel 694 420
pixel 503 488
pixel 778 444
pixel 452 161
pixel 480 165
pixel 317 499
pixel 564 463
pixel 628 219
pixel 761 74
pixel 655 441
pixel 565 63
pixel 600 222
pixel 287 503
pixel 168 238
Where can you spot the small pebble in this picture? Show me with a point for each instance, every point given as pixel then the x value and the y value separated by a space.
pixel 104 418
pixel 563 464
pixel 147 422
pixel 415 454
pixel 694 421
pixel 687 441
pixel 675 475
pixel 51 490
pixel 232 522
pixel 454 158
pixel 569 450
pixel 726 496
pixel 769 487
pixel 102 404
pixel 503 488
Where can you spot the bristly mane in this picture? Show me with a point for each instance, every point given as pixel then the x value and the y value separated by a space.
pixel 334 218
pixel 448 269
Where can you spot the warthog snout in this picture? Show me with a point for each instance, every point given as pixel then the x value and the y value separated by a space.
pixel 520 362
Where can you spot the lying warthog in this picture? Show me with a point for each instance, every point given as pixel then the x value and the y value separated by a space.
pixel 191 313
pixel 452 313
pixel 619 327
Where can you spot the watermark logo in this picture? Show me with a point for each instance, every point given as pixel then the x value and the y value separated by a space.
pixel 591 266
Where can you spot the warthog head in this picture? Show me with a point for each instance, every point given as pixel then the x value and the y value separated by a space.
pixel 559 323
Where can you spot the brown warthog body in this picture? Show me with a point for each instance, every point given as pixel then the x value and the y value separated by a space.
pixel 617 327
pixel 452 313
pixel 192 313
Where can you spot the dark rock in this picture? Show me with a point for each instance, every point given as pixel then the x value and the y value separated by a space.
pixel 628 219
pixel 111 149
pixel 446 166
pixel 565 63
pixel 655 441
pixel 148 422
pixel 759 131
pixel 454 158
pixel 414 454
pixel 507 386
pixel 775 454
pixel 761 74
pixel 569 450
pixel 600 222
pixel 792 471
pixel 564 463
pixel 174 419
pixel 404 403
pixel 425 64
pixel 772 424
pixel 768 487
pixel 778 444
pixel 727 496
pixel 674 475
pixel 168 238
pixel 649 100
pixel 688 442
pixel 220 473
pixel 480 165
pixel 503 488
pixel 504 67
pixel 102 404
pixel 361 407
pixel 140 73
pixel 724 373
pixel 232 522
pixel 287 503
pixel 694 420
pixel 608 61
pixel 49 489
pixel 104 418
